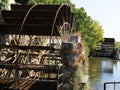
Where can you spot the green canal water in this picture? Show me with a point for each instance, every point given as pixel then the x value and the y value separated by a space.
pixel 103 70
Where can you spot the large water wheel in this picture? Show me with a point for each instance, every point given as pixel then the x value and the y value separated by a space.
pixel 27 56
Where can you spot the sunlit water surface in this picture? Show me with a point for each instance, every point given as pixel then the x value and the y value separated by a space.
pixel 104 70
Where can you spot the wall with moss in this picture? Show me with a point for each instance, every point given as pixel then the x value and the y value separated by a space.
pixel 75 65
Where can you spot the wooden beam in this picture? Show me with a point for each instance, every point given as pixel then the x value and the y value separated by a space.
pixel 31 29
pixel 39 7
pixel 28 84
pixel 37 13
pixel 41 13
pixel 46 68
pixel 34 20
pixel 39 17
pixel 27 47
pixel 51 55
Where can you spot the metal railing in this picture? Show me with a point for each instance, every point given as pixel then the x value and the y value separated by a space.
pixel 113 83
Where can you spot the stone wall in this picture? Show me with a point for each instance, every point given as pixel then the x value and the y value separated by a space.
pixel 75 65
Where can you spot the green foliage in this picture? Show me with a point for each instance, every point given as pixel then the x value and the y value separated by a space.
pixel 90 29
pixel 40 1
pixel 4 4
pixel 117 45
pixel 51 2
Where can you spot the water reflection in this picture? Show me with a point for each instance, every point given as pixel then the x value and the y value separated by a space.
pixel 104 70
pixel 107 66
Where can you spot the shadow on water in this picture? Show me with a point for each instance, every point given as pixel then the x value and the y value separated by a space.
pixel 103 70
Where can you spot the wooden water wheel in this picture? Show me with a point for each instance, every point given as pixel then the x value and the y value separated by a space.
pixel 23 58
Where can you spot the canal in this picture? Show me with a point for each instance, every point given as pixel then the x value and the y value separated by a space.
pixel 103 70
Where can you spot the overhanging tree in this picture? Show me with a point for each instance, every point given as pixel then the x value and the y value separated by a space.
pixel 90 29
pixel 4 4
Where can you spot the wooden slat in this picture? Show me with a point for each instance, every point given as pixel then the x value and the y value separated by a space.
pixel 51 55
pixel 31 29
pixel 45 68
pixel 64 13
pixel 29 85
pixel 65 8
pixel 41 14
pixel 71 19
pixel 19 20
pixel 39 17
pixel 39 7
pixel 56 59
pixel 27 47
pixel 41 21
pixel 2 81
